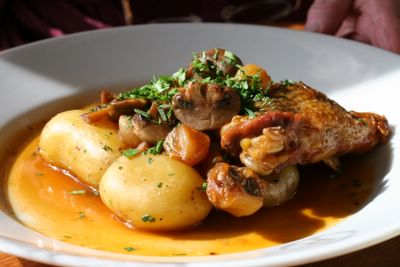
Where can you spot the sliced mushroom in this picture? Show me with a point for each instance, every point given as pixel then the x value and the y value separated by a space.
pixel 114 109
pixel 126 132
pixel 149 131
pixel 206 106
pixel 282 186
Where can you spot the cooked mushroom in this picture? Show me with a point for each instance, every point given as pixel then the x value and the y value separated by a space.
pixel 114 109
pixel 241 192
pixel 147 130
pixel 126 131
pixel 206 106
pixel 237 190
pixel 281 186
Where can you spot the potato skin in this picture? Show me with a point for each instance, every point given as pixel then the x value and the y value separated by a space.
pixel 86 150
pixel 154 192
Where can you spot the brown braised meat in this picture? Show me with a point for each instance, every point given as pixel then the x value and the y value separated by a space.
pixel 299 125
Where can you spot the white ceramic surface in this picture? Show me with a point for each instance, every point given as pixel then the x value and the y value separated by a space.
pixel 358 76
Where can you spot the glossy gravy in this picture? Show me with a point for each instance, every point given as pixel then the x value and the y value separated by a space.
pixel 54 204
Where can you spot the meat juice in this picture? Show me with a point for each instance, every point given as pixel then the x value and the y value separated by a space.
pixel 52 203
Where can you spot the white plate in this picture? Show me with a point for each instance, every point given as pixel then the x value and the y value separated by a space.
pixel 358 76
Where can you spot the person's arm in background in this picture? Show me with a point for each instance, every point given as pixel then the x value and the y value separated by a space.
pixel 376 22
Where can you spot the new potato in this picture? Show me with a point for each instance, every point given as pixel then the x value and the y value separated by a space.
pixel 154 192
pixel 86 150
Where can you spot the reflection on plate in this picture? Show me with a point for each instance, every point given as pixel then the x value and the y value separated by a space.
pixel 356 75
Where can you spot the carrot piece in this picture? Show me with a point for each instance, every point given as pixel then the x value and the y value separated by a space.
pixel 187 144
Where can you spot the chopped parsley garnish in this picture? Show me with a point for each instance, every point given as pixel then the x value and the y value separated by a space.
pixel 142 113
pixel 232 59
pixel 78 192
pixel 162 114
pixel 161 89
pixel 150 160
pixel 249 88
pixel 216 52
pixel 250 113
pixel 107 148
pixel 287 82
pixel 81 215
pixel 148 218
pixel 129 249
pixel 203 186
pixel 180 76
pixel 157 149
pixel 129 153
pixel 159 185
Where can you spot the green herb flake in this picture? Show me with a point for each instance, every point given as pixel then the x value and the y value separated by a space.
pixel 129 249
pixel 81 215
pixel 203 186
pixel 159 185
pixel 180 76
pixel 150 160
pixel 232 59
pixel 142 113
pixel 130 153
pixel 107 148
pixel 162 114
pixel 215 56
pixel 78 192
pixel 287 82
pixel 148 218
pixel 250 113
pixel 157 149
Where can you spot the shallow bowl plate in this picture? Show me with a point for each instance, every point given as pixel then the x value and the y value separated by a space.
pixel 33 79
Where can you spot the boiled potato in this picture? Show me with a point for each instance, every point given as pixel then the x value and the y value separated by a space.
pixel 154 192
pixel 86 150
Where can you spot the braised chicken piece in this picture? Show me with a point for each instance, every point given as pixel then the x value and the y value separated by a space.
pixel 299 125
pixel 206 106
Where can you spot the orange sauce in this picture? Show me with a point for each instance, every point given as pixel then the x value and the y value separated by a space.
pixel 52 203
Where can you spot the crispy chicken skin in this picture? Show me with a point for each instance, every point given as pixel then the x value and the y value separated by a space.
pixel 299 125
